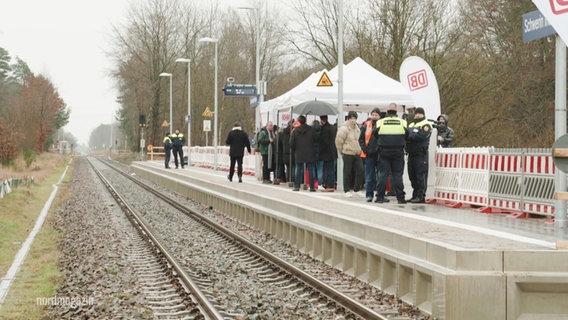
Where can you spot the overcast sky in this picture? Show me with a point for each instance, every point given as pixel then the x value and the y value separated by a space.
pixel 66 40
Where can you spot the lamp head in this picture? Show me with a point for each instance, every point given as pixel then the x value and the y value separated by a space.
pixel 183 60
pixel 165 74
pixel 208 39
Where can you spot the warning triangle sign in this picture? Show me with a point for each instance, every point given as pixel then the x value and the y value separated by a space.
pixel 324 81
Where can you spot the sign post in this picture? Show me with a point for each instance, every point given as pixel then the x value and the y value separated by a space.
pixel 556 12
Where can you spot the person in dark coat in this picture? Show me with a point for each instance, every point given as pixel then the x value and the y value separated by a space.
pixel 288 161
pixel 328 153
pixel 302 145
pixel 238 140
pixel 266 146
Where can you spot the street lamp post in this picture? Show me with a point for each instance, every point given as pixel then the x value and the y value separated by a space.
pixel 188 61
pixel 215 113
pixel 259 86
pixel 165 74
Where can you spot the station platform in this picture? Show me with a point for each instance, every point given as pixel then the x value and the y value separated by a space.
pixel 452 263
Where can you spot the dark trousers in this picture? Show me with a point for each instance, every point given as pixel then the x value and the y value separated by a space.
pixel 265 170
pixel 239 161
pixel 167 157
pixel 352 172
pixel 289 169
pixel 418 174
pixel 178 151
pixel 299 176
pixel 329 174
pixel 371 162
pixel 391 161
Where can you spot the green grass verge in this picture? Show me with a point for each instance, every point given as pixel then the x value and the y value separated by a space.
pixel 38 276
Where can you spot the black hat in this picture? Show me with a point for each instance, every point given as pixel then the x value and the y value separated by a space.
pixel 352 114
pixel 376 110
pixel 420 110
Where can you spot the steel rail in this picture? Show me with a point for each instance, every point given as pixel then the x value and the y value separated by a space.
pixel 341 299
pixel 206 306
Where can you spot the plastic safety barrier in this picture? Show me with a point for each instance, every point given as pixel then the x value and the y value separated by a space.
pixel 522 180
pixel 7 185
pixel 498 180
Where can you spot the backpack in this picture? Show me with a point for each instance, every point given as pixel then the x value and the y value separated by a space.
pixel 256 144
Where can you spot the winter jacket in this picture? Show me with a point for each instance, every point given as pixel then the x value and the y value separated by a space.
pixel 445 132
pixel 347 139
pixel 328 151
pixel 302 144
pixel 238 140
pixel 373 147
pixel 264 141
pixel 284 145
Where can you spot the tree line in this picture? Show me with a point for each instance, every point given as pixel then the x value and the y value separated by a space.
pixel 497 90
pixel 31 110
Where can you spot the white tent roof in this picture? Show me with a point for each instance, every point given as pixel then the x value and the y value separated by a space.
pixel 282 102
pixel 364 88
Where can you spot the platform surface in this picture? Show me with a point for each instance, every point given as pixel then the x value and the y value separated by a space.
pixel 461 228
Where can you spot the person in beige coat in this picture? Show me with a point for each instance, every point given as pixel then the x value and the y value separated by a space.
pixel 347 143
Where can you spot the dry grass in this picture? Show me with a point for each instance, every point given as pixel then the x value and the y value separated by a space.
pixel 42 167
pixel 18 213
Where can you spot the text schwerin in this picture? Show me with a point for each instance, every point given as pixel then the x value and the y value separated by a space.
pixel 72 302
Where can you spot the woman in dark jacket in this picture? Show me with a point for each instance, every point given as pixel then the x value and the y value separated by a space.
pixel 302 146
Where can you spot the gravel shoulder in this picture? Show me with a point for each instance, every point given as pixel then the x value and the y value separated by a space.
pixel 97 280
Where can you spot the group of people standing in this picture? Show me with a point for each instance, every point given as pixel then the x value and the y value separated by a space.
pixel 174 143
pixel 288 151
pixel 371 152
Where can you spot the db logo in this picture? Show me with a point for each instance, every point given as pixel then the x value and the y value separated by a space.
pixel 418 79
pixel 559 6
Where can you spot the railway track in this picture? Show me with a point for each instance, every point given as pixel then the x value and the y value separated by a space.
pixel 169 291
pixel 266 285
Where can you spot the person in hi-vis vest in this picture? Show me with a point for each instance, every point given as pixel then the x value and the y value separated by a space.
pixel 391 133
pixel 417 143
pixel 178 140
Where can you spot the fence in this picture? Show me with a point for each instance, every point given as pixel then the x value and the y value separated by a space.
pixel 204 157
pixel 497 180
pixel 7 185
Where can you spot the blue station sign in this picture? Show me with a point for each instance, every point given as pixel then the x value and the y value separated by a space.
pixel 535 26
pixel 240 90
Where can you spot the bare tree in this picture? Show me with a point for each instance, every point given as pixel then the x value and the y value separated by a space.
pixel 148 46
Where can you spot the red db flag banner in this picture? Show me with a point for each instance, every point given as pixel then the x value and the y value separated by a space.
pixel 417 76
pixel 556 12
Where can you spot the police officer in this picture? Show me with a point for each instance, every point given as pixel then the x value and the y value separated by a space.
pixel 167 149
pixel 178 140
pixel 419 131
pixel 391 134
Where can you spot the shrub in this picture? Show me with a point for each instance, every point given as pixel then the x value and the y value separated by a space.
pixel 29 157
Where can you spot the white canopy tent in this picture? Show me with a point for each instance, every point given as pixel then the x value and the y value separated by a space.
pixel 364 88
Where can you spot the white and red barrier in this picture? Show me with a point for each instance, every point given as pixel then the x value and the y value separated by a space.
pixel 204 157
pixel 498 180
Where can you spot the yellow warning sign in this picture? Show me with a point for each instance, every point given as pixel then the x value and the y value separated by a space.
pixel 165 124
pixel 207 113
pixel 324 81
